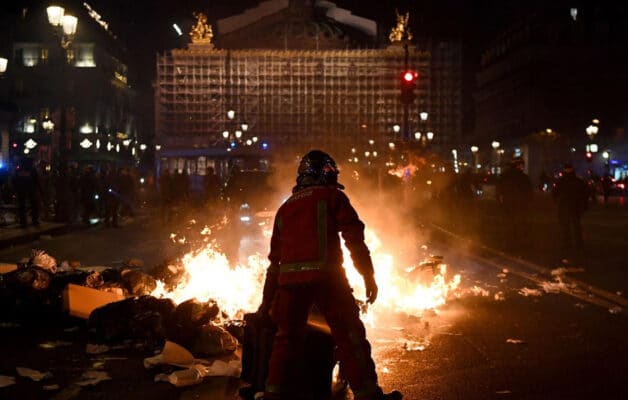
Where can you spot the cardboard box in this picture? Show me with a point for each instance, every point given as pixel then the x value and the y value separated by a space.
pixel 80 301
pixel 6 268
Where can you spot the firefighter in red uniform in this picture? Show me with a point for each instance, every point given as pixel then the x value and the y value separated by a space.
pixel 306 269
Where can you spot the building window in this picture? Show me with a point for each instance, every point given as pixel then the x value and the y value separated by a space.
pixel 84 54
pixel 30 55
pixel 44 55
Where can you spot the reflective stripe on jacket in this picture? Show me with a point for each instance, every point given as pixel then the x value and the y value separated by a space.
pixel 305 244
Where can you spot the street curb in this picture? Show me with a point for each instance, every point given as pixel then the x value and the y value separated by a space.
pixel 32 236
pixel 602 293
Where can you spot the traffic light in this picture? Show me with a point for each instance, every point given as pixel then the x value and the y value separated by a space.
pixel 589 156
pixel 408 84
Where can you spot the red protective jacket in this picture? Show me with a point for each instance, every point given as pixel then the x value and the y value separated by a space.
pixel 305 245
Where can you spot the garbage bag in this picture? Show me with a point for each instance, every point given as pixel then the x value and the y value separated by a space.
pixel 138 283
pixel 185 323
pixel 34 278
pixel 40 259
pixel 96 279
pixel 170 273
pixel 213 341
pixel 141 318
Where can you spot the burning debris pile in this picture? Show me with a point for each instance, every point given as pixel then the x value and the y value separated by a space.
pixel 197 303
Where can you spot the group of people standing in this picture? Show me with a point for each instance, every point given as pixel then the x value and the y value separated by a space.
pixel 514 193
pixel 70 195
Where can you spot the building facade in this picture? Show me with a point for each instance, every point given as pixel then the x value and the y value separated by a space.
pixel 69 92
pixel 299 76
pixel 546 78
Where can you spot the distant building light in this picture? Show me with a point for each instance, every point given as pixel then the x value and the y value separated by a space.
pixel 574 13
pixel 87 128
pixel 606 155
pixel 264 146
pixel 157 147
pixel 98 143
pixel 143 147
pixel 3 65
pixel 30 144
pixel 117 147
pixel 475 149
pixel 86 143
pixel 126 142
pixel 177 29
pixel 495 144
pixel 517 152
pixel 593 148
pixel 232 145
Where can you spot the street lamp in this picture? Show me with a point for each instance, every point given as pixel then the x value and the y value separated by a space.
pixel 474 151
pixel 396 128
pixel 230 114
pixel 429 135
pixel 592 130
pixel 423 116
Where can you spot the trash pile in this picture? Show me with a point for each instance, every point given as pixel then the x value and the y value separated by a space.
pixel 121 314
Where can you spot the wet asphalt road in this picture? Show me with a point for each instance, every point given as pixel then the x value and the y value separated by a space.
pixel 504 337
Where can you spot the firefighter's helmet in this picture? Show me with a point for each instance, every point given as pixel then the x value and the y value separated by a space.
pixel 317 168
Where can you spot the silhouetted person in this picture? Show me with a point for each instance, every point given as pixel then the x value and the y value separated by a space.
pixel 571 195
pixel 166 196
pixel 88 184
pixel 111 196
pixel 514 194
pixel 26 184
pixel 607 184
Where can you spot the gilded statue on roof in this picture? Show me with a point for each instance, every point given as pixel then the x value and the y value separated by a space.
pixel 201 32
pixel 401 32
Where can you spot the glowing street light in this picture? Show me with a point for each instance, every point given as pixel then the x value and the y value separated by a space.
pixel 225 134
pixel 417 135
pixel 396 128
pixel 230 114
pixel 429 135
pixel 423 116
pixel 86 143
pixel 495 144
pixel 474 149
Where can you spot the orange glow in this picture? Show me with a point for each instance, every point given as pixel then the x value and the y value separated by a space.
pixel 238 290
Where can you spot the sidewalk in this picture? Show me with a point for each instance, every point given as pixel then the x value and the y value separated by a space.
pixel 11 235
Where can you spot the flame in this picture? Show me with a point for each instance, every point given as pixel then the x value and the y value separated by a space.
pixel 238 290
pixel 208 276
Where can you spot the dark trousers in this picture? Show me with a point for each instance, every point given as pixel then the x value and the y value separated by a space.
pixel 570 230
pixel 290 312
pixel 33 200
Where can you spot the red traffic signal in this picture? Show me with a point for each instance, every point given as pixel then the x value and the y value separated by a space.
pixel 409 76
pixel 408 83
pixel 589 156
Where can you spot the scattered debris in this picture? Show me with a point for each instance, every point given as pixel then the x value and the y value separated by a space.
pixel 615 310
pixel 96 348
pixel 32 374
pixel 503 392
pixel 40 259
pixel 91 377
pixel 564 270
pixel 80 301
pixel 6 381
pixel 172 354
pixel 55 344
pixel 515 341
pixel 416 345
pixel 186 377
pixel 525 291
pixel 478 291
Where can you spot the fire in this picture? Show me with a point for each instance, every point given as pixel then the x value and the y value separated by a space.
pixel 238 290
pixel 209 276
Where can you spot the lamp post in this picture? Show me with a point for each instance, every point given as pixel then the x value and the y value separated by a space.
pixel 495 145
pixel 474 151
pixel 65 27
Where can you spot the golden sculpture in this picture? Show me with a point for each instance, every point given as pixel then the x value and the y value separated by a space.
pixel 401 32
pixel 201 33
